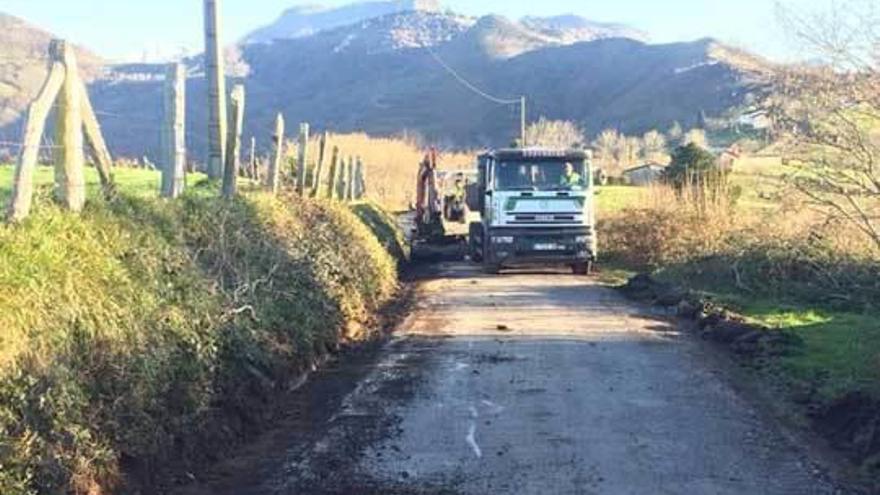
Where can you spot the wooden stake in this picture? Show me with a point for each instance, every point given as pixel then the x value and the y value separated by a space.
pixel 275 168
pixel 233 152
pixel 70 182
pixel 23 185
pixel 215 74
pixel 301 165
pixel 174 132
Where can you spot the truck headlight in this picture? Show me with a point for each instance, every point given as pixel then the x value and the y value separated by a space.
pixel 503 240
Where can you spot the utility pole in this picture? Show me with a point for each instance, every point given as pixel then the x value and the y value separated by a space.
pixel 522 121
pixel 216 77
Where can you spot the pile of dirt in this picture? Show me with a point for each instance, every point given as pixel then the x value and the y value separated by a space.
pixel 715 323
pixel 852 425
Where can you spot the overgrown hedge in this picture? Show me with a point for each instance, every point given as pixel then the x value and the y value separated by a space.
pixel 143 330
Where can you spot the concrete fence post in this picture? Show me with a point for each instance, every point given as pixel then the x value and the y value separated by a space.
pixel 333 180
pixel 359 182
pixel 95 139
pixel 252 160
pixel 216 79
pixel 319 180
pixel 233 152
pixel 35 124
pixel 349 183
pixel 275 166
pixel 70 182
pixel 174 132
pixel 302 159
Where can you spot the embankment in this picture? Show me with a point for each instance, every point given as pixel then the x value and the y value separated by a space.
pixel 146 332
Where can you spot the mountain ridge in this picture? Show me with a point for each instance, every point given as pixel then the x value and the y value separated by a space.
pixel 381 76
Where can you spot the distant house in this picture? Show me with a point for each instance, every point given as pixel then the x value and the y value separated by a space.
pixel 729 158
pixel 644 175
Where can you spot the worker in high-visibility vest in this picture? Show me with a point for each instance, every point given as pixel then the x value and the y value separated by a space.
pixel 570 178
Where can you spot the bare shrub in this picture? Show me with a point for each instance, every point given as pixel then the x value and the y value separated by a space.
pixel 555 134
pixel 829 116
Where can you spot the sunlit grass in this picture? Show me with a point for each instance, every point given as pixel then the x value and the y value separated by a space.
pixel 135 182
pixel 613 199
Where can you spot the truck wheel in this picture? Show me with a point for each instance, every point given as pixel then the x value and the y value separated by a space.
pixel 585 268
pixel 491 268
pixel 475 242
pixel 475 250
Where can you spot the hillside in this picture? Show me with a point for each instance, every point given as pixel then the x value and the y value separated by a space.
pixel 380 76
pixel 377 77
pixel 23 60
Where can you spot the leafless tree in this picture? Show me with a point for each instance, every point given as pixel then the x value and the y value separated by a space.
pixel 555 134
pixel 675 134
pixel 606 145
pixel 630 150
pixel 829 114
pixel 653 145
pixel 697 137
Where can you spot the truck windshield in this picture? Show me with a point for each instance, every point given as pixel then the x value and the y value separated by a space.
pixel 540 175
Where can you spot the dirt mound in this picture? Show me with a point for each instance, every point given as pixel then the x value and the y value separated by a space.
pixel 715 323
pixel 852 425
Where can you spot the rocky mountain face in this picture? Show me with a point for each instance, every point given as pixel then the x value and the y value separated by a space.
pixel 23 66
pixel 302 21
pixel 385 75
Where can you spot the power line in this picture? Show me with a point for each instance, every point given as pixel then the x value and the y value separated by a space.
pixel 469 85
pixel 521 101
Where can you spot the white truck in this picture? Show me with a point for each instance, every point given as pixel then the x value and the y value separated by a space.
pixel 537 209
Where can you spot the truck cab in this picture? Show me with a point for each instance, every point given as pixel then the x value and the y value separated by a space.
pixel 537 209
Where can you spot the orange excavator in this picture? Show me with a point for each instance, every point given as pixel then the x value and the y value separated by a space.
pixel 441 213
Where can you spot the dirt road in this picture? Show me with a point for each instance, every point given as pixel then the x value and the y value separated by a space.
pixel 535 384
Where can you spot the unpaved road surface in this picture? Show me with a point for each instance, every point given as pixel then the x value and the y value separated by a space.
pixel 534 384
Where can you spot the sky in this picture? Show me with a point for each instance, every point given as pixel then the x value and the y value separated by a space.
pixel 131 30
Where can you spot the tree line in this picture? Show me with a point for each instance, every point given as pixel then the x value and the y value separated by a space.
pixel 614 150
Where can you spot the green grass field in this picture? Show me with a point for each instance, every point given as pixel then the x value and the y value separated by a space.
pixel 841 347
pixel 135 182
pixel 612 199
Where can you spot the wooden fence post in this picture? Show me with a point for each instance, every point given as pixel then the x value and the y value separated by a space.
pixel 70 183
pixel 275 167
pixel 233 151
pixel 302 158
pixel 215 74
pixel 333 180
pixel 38 112
pixel 319 170
pixel 174 132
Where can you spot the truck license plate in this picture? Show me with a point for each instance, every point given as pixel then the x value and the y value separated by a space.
pixel 547 247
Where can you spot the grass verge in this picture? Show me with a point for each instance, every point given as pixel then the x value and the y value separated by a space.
pixel 146 331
